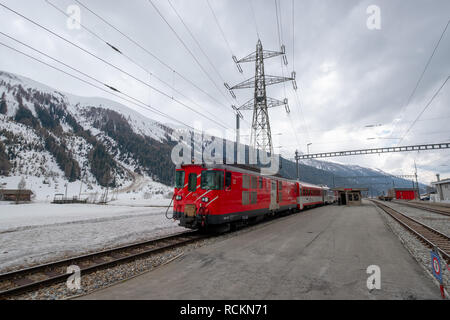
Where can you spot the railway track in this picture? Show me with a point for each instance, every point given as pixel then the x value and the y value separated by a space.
pixel 29 279
pixel 442 211
pixel 426 234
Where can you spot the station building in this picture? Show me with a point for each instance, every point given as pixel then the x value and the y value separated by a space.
pixel 403 193
pixel 350 196
pixel 443 189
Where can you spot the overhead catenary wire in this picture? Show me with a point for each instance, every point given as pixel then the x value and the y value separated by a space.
pixel 99 58
pixel 150 53
pixel 116 49
pixel 114 93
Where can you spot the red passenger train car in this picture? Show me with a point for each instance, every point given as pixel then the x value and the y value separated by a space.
pixel 217 195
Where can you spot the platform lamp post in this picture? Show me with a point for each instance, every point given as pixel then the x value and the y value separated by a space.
pixel 417 182
pixel 296 164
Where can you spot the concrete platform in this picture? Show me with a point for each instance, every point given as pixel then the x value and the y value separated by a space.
pixel 318 254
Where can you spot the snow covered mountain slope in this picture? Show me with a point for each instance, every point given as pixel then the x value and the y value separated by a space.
pixel 53 139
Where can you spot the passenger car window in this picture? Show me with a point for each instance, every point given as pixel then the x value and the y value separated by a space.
pixel 253 198
pixel 245 197
pixel 254 183
pixel 245 182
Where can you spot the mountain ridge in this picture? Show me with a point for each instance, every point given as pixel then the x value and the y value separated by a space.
pixel 49 134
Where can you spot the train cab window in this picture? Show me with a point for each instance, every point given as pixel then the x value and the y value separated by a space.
pixel 179 179
pixel 192 182
pixel 254 183
pixel 228 179
pixel 212 180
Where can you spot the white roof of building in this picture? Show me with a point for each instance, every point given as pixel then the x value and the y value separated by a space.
pixel 445 181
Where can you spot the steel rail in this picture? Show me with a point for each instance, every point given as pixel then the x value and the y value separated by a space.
pixel 19 281
pixel 414 227
pixel 424 207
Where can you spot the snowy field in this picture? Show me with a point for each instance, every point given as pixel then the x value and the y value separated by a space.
pixel 41 232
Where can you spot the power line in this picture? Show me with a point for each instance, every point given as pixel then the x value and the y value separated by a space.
pixel 139 104
pixel 280 42
pixel 224 37
pixel 187 48
pixel 425 108
pixel 293 35
pixel 115 48
pixel 150 53
pixel 254 18
pixel 423 73
pixel 101 59
pixel 279 30
pixel 297 98
pixel 298 101
pixel 220 27
pixel 197 42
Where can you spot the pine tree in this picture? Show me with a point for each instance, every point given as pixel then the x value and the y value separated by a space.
pixel 3 106
pixel 5 165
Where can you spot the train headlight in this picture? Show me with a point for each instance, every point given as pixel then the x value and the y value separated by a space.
pixel 178 198
pixel 205 199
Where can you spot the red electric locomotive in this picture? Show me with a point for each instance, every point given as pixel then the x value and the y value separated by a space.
pixel 215 195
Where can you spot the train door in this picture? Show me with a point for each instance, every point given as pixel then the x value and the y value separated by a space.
pixel 274 196
pixel 300 197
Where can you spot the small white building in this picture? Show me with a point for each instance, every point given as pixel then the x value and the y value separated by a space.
pixel 442 189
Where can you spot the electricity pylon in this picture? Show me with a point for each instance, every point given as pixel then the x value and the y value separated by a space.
pixel 261 136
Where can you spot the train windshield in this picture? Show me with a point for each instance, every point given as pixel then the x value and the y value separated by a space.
pixel 212 180
pixel 179 179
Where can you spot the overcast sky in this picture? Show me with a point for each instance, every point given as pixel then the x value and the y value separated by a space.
pixel 349 76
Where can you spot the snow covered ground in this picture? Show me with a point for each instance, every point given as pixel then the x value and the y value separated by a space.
pixel 41 232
